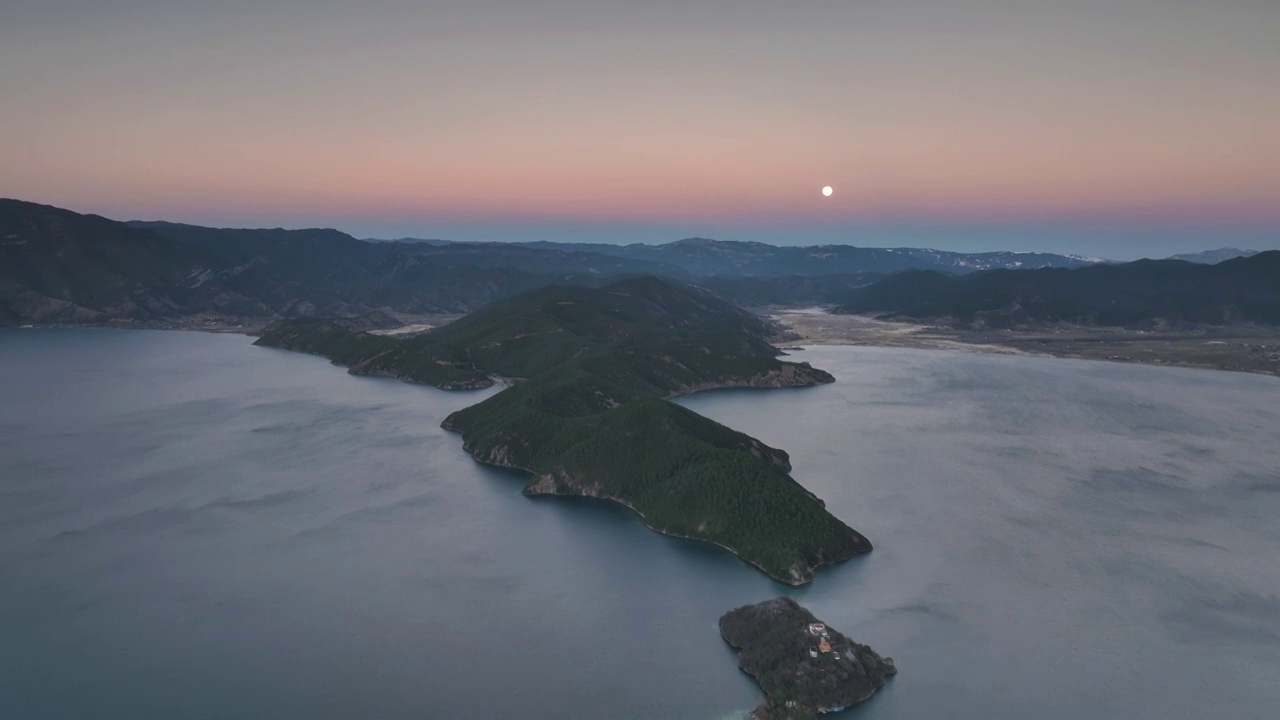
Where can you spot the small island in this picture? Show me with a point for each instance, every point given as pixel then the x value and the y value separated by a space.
pixel 589 373
pixel 804 667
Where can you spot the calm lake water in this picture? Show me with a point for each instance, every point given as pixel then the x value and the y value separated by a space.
pixel 193 527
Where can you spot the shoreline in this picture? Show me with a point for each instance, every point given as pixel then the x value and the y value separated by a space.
pixel 532 490
pixel 792 583
pixel 412 325
pixel 1252 349
pixel 213 328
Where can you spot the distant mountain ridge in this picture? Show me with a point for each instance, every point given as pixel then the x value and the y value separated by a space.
pixel 1213 257
pixel 704 257
pixel 247 242
pixel 61 267
pixel 1141 293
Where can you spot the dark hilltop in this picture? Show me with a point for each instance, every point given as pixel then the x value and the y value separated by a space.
pixel 805 667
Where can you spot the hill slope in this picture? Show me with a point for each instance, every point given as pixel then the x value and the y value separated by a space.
pixel 589 419
pixel 57 266
pixel 787 290
pixel 1146 292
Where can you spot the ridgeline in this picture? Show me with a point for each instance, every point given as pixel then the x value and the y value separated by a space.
pixel 59 267
pixel 1143 294
pixel 586 414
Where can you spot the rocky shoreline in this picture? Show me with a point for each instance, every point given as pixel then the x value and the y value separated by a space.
pixel 560 484
pixel 805 668
pixel 790 375
pixel 798 575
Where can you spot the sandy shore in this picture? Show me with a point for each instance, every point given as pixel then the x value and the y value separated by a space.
pixel 815 326
pixel 1237 348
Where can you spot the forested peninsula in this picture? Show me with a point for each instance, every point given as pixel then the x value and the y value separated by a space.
pixel 586 414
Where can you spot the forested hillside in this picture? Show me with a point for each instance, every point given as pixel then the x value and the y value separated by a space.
pixel 587 415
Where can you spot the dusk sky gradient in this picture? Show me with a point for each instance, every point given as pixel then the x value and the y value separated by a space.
pixel 1117 128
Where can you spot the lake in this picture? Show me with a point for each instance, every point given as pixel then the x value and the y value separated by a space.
pixel 194 527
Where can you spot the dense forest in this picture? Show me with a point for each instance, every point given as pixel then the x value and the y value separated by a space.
pixel 587 415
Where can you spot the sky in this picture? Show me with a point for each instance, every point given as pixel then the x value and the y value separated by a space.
pixel 1116 128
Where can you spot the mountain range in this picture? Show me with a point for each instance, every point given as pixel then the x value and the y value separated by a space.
pixel 58 266
pixel 703 257
pixel 63 267
pixel 1141 293
pixel 1213 257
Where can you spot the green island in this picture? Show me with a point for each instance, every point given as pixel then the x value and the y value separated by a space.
pixel 804 667
pixel 586 413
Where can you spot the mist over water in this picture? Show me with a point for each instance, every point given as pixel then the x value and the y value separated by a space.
pixel 194 527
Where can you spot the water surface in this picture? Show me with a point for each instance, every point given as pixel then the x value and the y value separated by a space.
pixel 194 527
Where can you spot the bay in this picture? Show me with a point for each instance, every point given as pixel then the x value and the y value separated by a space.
pixel 191 526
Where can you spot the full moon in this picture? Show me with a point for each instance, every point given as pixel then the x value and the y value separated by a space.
pixel 826 191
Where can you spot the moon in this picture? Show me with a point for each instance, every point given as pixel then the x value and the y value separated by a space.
pixel 826 191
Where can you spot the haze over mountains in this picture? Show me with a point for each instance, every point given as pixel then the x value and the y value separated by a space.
pixel 62 267
pixel 1212 257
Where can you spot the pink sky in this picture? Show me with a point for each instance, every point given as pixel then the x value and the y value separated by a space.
pixel 729 113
